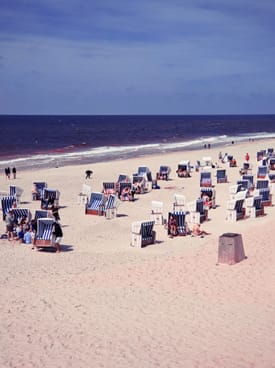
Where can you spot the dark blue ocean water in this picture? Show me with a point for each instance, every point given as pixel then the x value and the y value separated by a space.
pixel 30 141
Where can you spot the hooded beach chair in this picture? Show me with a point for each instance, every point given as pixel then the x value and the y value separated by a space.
pixel 205 179
pixel 235 210
pixel 243 183
pixel 262 184
pixel 208 194
pixel 246 169
pixel 262 172
pixel 261 154
pixel 179 202
pixel 111 206
pixel 184 169
pixel 7 203
pixel 142 233
pixel 266 196
pixel 37 190
pixel 17 192
pixel 221 176
pixel 157 212
pixel 272 163
pixel 109 187
pixel 20 213
pixel 254 206
pixel 197 212
pixel 50 197
pixel 84 194
pixel 181 224
pixel 124 191
pixel 164 172
pixel 139 184
pixel 41 214
pixel 95 204
pixel 43 236
pixel 250 179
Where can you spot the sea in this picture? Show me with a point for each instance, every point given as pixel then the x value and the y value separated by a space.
pixel 33 141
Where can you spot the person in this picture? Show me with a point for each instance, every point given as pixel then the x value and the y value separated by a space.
pixel 28 237
pixel 57 236
pixel 247 157
pixel 55 213
pixel 10 222
pixel 19 234
pixel 14 172
pixel 88 174
pixel 197 231
pixel 173 226
pixel 9 173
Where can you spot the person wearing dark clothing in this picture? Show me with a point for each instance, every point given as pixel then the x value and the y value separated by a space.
pixel 55 213
pixel 57 235
pixel 88 174
pixel 14 172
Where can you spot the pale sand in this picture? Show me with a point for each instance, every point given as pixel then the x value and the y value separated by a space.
pixel 103 303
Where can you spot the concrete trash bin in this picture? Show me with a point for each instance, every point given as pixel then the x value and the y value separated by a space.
pixel 231 248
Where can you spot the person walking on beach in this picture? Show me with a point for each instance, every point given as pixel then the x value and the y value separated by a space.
pixel 247 157
pixel 88 174
pixel 14 172
pixel 57 236
pixel 10 222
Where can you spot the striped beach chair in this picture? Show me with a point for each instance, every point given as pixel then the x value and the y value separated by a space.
pixel 221 176
pixel 180 217
pixel 37 190
pixel 20 213
pixel 262 172
pixel 43 236
pixel 254 206
pixel 49 198
pixel 250 179
pixel 96 204
pixel 7 203
pixel 111 206
pixel 205 179
pixel 41 214
pixel 109 188
pixel 260 184
pixel 266 196
pixel 235 210
pixel 244 184
pixel 17 192
pixel 198 213
pixel 143 233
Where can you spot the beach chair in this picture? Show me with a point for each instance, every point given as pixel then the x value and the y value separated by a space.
pixel 254 206
pixel 197 212
pixel 157 212
pixel 139 184
pixel 233 190
pixel 266 196
pixel 143 234
pixel 181 223
pixel 16 191
pixel 41 214
pixel 163 173
pixel 262 172
pixel 262 184
pixel 208 194
pixel 205 179
pixel 7 203
pixel 84 194
pixel 184 169
pixel 50 197
pixel 124 191
pixel 96 204
pixel 109 187
pixel 244 184
pixel 144 171
pixel 179 202
pixel 250 179
pixel 221 176
pixel 272 163
pixel 235 210
pixel 270 152
pixel 20 213
pixel 37 190
pixel 261 154
pixel 111 206
pixel 43 236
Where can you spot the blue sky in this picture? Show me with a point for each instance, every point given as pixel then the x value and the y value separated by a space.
pixel 137 57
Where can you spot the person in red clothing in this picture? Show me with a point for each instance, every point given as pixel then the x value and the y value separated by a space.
pixel 247 157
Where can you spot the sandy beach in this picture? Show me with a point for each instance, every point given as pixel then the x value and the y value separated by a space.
pixel 102 303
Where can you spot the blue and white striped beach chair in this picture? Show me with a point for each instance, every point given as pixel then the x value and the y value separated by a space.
pixel 250 179
pixel 244 184
pixel 49 198
pixel 205 179
pixel 260 184
pixel 41 214
pixel 7 203
pixel 109 188
pixel 37 190
pixel 17 192
pixel 235 210
pixel 266 196
pixel 20 213
pixel 96 204
pixel 143 233
pixel 254 206
pixel 262 172
pixel 181 223
pixel 43 236
pixel 111 206
pixel 221 176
